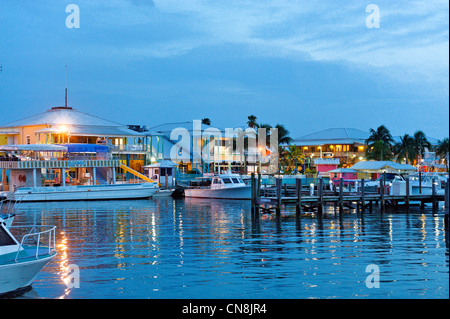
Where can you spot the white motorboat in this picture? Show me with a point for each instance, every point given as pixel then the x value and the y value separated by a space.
pixel 224 186
pixel 163 193
pixel 85 192
pixel 389 178
pixel 423 184
pixel 21 263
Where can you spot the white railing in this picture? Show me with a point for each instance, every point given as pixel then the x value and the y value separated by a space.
pixel 38 236
pixel 129 147
pixel 60 164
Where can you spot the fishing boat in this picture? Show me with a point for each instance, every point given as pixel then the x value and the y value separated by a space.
pixel 48 172
pixel 423 183
pixel 21 262
pixel 224 186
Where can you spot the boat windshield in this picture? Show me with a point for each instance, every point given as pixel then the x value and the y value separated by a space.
pixel 226 180
pixel 235 180
pixel 5 238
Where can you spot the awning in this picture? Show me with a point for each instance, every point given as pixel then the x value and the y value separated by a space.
pixel 86 148
pixel 163 163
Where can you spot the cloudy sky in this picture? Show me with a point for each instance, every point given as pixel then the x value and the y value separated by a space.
pixel 309 65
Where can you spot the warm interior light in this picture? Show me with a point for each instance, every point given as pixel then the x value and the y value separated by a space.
pixel 63 129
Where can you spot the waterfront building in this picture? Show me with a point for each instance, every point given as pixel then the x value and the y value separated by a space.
pixel 66 125
pixel 200 148
pixel 346 144
pixel 325 165
pixel 348 175
pixel 374 169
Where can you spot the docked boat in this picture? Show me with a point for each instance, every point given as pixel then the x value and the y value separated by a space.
pixel 20 263
pixel 423 183
pixel 48 172
pixel 163 193
pixel 223 186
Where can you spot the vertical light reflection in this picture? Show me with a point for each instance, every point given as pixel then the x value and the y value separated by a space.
pixel 423 227
pixel 64 264
pixel 390 230
pixel 437 230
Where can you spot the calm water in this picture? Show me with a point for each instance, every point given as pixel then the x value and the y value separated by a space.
pixel 185 248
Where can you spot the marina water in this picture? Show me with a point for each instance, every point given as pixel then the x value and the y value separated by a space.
pixel 199 248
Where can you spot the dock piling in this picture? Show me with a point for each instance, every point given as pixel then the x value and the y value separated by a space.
pixel 278 183
pixel 407 193
pixel 298 193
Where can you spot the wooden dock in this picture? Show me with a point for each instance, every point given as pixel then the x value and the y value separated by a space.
pixel 306 198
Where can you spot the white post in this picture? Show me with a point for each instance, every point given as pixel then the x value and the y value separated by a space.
pixel 63 176
pixel 34 177
pixel 113 175
pixel 94 174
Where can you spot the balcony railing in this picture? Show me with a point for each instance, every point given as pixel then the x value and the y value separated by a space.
pixel 58 164
pixel 131 148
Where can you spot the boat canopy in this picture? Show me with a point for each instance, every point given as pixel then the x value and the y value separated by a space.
pixel 86 148
pixel 34 147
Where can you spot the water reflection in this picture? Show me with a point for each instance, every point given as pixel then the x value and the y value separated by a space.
pixel 196 248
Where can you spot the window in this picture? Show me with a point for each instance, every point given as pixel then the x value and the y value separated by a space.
pixel 5 238
pixel 235 180
pixel 216 181
pixel 226 180
pixel 28 139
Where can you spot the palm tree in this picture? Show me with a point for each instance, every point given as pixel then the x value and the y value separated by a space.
pixel 293 157
pixel 405 149
pixel 206 121
pixel 442 150
pixel 381 134
pixel 442 147
pixel 283 135
pixel 421 143
pixel 378 151
pixel 379 142
pixel 251 121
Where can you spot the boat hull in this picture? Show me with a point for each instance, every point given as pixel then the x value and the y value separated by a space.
pixel 86 193
pixel 163 193
pixel 243 192
pixel 19 276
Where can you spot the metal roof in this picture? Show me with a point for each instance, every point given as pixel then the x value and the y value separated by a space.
pixel 62 116
pixel 333 136
pixel 188 125
pixel 326 161
pixel 381 165
pixel 343 170
pixel 87 130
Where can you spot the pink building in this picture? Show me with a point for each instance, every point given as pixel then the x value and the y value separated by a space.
pixel 324 165
pixel 346 174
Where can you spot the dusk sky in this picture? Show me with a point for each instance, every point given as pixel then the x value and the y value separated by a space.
pixel 310 65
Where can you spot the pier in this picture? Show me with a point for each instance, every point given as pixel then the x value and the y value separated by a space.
pixel 312 198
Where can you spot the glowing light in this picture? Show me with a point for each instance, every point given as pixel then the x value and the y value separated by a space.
pixel 62 129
